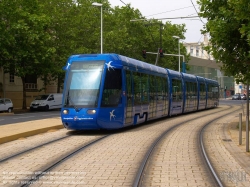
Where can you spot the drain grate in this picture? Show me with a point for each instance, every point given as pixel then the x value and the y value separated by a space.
pixel 227 140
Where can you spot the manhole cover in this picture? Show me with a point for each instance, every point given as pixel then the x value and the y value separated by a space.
pixel 227 140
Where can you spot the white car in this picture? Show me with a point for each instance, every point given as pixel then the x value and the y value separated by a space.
pixel 6 105
pixel 47 102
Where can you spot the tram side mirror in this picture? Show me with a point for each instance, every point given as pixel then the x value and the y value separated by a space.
pixel 64 68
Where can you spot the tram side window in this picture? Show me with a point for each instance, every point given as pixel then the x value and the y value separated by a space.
pixel 176 90
pixel 215 91
pixel 153 88
pixel 202 91
pixel 111 95
pixel 160 89
pixel 209 92
pixel 137 88
pixel 191 90
pixel 144 89
pixel 129 88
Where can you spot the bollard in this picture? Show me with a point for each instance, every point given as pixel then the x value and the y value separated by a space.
pixel 240 128
pixel 247 133
pixel 243 108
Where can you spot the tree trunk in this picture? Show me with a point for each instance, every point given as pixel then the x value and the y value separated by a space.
pixel 24 93
pixel 58 85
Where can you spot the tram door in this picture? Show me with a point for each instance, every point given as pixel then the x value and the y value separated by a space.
pixel 177 97
pixel 129 100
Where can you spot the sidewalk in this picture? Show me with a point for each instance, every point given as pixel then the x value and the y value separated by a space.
pixel 15 131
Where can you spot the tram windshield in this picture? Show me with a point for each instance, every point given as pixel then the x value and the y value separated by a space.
pixel 83 84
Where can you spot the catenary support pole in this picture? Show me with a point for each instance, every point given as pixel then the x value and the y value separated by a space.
pixel 247 119
pixel 240 128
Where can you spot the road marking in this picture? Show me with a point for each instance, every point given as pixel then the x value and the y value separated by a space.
pixel 24 117
pixel 50 115
pixel 1 119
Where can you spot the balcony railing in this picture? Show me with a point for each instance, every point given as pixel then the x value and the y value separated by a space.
pixel 30 86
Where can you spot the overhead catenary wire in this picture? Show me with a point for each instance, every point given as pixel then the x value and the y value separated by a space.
pixel 169 11
pixel 197 11
pixel 123 2
pixel 186 17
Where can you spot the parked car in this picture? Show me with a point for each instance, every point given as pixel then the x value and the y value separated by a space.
pixel 236 97
pixel 6 105
pixel 47 102
pixel 243 96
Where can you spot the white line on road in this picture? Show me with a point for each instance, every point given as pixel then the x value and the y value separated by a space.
pixel 51 115
pixel 24 117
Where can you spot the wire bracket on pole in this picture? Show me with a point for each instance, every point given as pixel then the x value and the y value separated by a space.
pixel 157 56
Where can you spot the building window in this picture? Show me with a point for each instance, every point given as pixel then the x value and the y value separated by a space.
pixel 197 50
pixel 191 51
pixel 12 78
pixel 31 82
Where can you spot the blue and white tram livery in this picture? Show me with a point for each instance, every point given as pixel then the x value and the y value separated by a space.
pixel 111 91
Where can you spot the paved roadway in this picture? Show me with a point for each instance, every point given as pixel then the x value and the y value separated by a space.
pixel 20 116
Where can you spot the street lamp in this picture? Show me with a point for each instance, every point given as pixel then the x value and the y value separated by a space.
pixel 177 37
pixel 100 5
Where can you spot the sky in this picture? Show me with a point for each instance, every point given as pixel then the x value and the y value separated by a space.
pixel 158 9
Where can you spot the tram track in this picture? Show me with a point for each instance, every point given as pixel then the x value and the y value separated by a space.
pixel 169 129
pixel 32 149
pixel 47 143
pixel 138 181
pixel 54 164
pixel 37 154
pixel 204 152
pixel 34 178
pixel 41 145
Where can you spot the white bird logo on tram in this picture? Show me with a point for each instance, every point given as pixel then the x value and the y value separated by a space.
pixel 112 114
pixel 68 65
pixel 109 65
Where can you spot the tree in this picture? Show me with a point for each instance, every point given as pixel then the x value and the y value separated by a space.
pixel 24 38
pixel 229 28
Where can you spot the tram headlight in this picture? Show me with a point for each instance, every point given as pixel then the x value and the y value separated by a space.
pixel 91 111
pixel 65 111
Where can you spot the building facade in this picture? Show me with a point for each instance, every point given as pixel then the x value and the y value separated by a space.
pixel 204 65
pixel 12 87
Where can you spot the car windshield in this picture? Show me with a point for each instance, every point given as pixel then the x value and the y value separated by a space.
pixel 42 97
pixel 2 100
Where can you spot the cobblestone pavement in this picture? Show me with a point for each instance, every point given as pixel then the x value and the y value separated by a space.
pixel 115 160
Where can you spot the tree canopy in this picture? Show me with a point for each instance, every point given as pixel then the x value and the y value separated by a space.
pixel 37 37
pixel 229 27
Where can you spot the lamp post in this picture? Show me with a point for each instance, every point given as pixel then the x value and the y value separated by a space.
pixel 100 5
pixel 177 37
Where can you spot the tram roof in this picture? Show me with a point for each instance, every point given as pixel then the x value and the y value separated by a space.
pixel 140 64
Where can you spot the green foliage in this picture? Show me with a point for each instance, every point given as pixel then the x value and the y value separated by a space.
pixel 37 37
pixel 229 28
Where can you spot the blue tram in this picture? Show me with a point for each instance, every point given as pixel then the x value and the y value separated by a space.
pixel 111 91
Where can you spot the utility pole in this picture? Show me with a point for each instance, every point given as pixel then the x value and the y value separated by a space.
pixel 247 119
pixel 158 50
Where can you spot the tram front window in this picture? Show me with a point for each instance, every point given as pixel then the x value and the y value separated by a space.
pixel 83 84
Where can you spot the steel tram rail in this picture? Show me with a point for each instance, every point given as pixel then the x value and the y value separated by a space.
pixel 33 148
pixel 140 173
pixel 203 150
pixel 36 177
